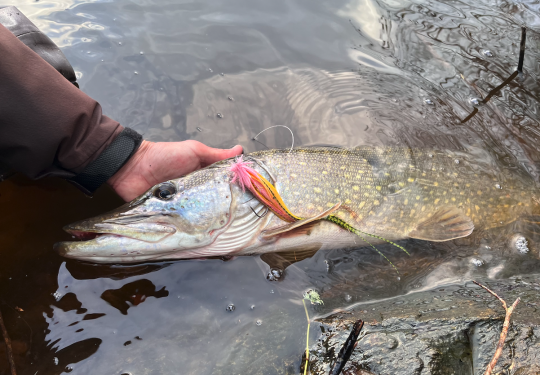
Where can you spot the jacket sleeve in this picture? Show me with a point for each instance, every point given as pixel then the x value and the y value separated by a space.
pixel 48 127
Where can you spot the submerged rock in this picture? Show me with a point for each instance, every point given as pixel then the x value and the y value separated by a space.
pixel 448 330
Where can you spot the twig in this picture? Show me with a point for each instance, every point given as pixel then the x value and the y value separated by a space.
pixel 522 49
pixel 347 349
pixel 9 350
pixel 509 79
pixel 307 337
pixel 504 332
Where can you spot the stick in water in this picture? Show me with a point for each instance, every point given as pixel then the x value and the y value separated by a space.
pixel 504 332
pixel 347 349
pixel 522 49
pixel 9 350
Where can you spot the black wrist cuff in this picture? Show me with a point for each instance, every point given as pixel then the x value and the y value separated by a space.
pixel 109 162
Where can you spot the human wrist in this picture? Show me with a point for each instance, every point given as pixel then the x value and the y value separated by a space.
pixel 132 165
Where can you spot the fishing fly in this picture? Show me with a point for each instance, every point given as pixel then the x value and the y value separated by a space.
pixel 248 178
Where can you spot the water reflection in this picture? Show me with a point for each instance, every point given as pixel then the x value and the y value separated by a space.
pixel 347 73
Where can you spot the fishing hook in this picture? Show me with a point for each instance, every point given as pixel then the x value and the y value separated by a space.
pixel 260 216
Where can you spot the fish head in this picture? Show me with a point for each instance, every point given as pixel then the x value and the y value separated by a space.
pixel 175 219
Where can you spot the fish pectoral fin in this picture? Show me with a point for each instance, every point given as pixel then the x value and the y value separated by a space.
pixel 447 223
pixel 284 259
pixel 286 228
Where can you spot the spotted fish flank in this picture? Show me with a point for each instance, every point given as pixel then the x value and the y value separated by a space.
pixel 391 193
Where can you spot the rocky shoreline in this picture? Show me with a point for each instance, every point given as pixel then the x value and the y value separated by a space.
pixel 451 329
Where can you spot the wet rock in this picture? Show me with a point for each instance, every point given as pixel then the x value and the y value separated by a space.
pixel 456 335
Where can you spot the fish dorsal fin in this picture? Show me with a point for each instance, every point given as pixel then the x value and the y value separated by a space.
pixel 286 228
pixel 447 223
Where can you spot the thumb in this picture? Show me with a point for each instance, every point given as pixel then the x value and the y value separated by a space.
pixel 209 155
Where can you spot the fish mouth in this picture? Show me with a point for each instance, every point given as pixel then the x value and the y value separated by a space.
pixel 108 240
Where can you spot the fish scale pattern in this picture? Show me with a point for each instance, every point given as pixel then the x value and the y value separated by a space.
pixel 389 191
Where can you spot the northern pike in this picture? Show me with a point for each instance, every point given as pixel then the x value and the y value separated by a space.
pixel 389 193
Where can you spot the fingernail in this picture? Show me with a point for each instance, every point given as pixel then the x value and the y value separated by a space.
pixel 240 146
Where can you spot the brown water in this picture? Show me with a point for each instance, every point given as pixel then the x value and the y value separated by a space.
pixel 347 73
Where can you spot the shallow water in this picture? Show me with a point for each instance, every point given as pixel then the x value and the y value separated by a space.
pixel 346 73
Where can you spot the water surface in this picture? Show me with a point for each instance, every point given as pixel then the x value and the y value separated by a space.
pixel 346 73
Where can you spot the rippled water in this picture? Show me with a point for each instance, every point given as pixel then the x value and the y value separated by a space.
pixel 347 73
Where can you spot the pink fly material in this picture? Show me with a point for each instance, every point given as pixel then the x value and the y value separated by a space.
pixel 242 173
pixel 264 191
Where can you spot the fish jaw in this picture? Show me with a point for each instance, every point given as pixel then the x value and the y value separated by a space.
pixel 123 237
pixel 111 248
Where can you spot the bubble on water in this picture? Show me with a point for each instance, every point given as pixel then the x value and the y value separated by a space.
pixel 136 72
pixel 488 247
pixel 498 186
pixel 348 298
pixel 219 115
pixel 88 52
pixel 141 53
pixel 222 74
pixel 474 101
pixel 487 53
pixel 430 155
pixel 252 307
pixel 55 360
pixel 258 322
pixel 272 291
pixel 102 60
pixel 57 295
pixel 429 101
pixel 210 70
pixel 521 244
pixel 456 161
pixel 230 98
pixel 477 262
pixel 199 129
pixel 68 369
pixel 119 43
pixel 230 307
pixel 274 274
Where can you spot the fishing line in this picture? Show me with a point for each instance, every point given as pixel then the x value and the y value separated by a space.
pixel 276 126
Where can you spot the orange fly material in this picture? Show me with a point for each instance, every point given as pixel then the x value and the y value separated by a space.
pixel 261 188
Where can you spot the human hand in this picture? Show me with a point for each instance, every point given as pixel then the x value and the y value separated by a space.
pixel 154 162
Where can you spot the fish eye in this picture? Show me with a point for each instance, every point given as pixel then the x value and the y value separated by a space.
pixel 165 191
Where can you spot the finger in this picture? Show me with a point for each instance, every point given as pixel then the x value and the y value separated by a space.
pixel 209 155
